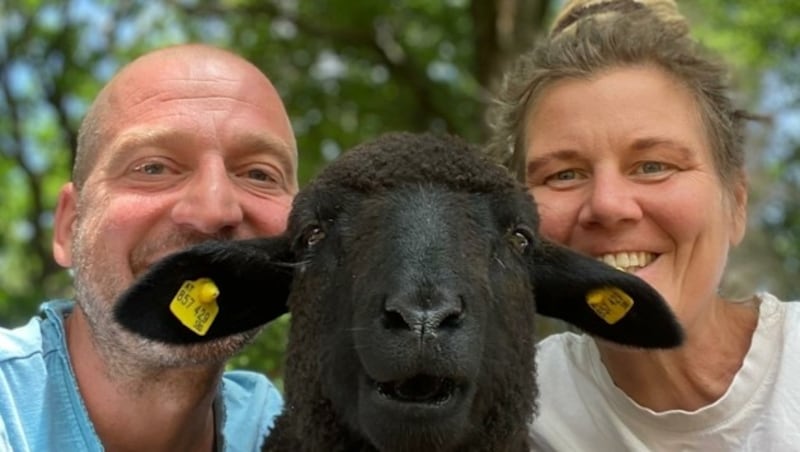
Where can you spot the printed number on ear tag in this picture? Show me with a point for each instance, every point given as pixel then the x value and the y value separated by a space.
pixel 610 303
pixel 195 305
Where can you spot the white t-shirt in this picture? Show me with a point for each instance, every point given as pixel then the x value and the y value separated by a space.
pixel 580 408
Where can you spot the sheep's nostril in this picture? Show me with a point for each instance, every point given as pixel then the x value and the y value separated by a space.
pixel 402 313
pixel 452 320
pixel 446 314
pixel 393 320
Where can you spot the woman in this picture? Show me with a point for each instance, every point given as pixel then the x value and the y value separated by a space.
pixel 625 134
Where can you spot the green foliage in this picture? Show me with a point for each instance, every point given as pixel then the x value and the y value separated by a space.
pixel 266 352
pixel 753 35
pixel 749 32
pixel 761 39
pixel 347 71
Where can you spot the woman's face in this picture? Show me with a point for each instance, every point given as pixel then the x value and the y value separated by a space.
pixel 621 169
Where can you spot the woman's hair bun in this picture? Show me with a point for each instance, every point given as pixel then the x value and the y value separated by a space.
pixel 575 11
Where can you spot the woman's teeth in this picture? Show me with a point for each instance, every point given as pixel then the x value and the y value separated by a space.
pixel 628 261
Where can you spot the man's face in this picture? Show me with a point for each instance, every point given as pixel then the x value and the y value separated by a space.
pixel 192 149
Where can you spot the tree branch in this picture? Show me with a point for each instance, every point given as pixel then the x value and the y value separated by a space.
pixel 379 40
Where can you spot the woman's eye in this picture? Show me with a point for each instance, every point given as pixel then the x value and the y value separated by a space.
pixel 652 167
pixel 565 175
pixel 654 171
pixel 564 179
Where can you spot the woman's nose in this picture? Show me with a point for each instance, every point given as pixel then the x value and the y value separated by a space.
pixel 210 203
pixel 611 200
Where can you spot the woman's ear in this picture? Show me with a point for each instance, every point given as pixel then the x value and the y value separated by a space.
pixel 739 209
pixel 64 225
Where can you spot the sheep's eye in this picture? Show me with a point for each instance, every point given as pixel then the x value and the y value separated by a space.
pixel 520 239
pixel 313 235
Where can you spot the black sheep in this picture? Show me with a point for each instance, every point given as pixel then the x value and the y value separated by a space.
pixel 412 270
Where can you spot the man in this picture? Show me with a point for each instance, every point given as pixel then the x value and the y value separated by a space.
pixel 185 144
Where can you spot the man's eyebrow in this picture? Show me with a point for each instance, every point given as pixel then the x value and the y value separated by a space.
pixel 144 135
pixel 254 142
pixel 251 142
pixel 121 147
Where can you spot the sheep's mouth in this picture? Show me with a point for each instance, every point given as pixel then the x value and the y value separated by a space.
pixel 421 389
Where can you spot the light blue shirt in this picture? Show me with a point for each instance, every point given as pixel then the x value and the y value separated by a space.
pixel 42 410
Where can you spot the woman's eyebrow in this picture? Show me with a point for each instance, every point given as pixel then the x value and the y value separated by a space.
pixel 649 143
pixel 563 154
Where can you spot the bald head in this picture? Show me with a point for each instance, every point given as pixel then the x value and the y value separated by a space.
pixel 185 144
pixel 198 76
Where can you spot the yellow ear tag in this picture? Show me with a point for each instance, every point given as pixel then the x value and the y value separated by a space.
pixel 610 303
pixel 195 304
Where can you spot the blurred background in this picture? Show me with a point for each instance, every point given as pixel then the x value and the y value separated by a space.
pixel 349 70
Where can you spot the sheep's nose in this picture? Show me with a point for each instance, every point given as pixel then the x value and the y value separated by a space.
pixel 424 314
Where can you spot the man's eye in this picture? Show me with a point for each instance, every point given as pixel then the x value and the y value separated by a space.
pixel 151 168
pixel 260 175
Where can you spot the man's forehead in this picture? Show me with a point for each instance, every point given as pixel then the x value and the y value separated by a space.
pixel 209 83
pixel 147 78
pixel 169 84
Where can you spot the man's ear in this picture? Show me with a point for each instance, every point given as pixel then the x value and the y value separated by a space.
pixel 253 279
pixel 600 300
pixel 64 225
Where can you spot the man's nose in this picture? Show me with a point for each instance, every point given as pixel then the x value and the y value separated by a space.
pixel 611 200
pixel 209 203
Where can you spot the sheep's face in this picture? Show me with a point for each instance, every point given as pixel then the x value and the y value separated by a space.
pixel 422 301
pixel 412 270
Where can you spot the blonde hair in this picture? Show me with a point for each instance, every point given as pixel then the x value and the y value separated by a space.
pixel 574 10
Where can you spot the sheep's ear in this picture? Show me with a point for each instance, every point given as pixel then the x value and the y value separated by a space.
pixel 601 300
pixel 253 278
